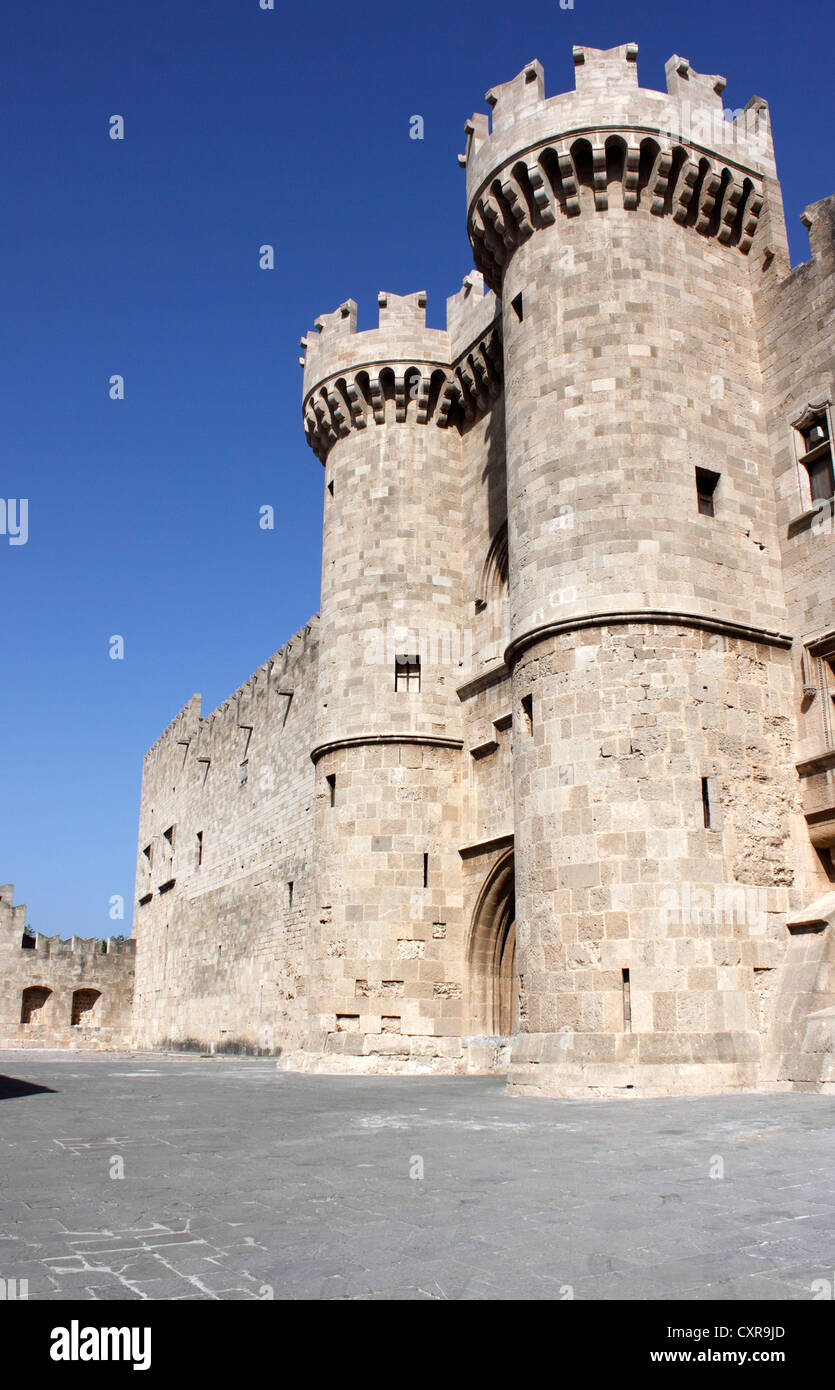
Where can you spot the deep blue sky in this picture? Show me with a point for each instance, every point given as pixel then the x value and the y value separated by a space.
pixel 140 257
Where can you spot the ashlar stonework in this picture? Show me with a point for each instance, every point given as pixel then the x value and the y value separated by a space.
pixel 548 785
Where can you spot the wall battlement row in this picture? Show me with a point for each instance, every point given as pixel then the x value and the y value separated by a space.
pixel 12 924
pixel 190 722
pixel 60 948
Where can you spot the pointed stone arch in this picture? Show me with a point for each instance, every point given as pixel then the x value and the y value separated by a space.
pixel 491 954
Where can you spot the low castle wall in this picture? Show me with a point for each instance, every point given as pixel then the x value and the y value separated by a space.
pixel 76 993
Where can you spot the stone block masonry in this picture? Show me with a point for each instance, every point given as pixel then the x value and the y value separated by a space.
pixel 76 993
pixel 548 785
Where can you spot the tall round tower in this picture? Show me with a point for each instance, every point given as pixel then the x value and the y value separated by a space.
pixel 625 231
pixel 387 958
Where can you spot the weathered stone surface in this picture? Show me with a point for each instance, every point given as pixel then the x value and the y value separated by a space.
pixel 53 993
pixel 552 773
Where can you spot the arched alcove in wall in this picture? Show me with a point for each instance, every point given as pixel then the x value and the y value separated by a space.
pixel 491 955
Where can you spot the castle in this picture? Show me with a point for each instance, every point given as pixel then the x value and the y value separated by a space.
pixel 548 785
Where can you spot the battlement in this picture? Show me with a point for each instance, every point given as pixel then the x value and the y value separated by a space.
pixel 191 724
pixel 679 154
pixel 12 914
pixel 57 948
pixel 12 925
pixel 349 377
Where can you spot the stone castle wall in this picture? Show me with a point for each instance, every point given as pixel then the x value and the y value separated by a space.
pixel 225 830
pixel 54 993
pixel 548 786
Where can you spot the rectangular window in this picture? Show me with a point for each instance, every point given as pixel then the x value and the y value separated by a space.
pixel 705 489
pixel 199 848
pixel 407 673
pixel 331 781
pixel 148 856
pixel 815 453
pixel 516 306
pixel 426 870
pixel 706 802
pixel 168 836
pixel 290 893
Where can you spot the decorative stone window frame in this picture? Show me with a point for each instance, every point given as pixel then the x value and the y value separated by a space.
pixel 809 506
pixel 818 671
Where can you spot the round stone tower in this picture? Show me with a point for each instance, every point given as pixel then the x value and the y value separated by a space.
pixel 625 230
pixel 386 977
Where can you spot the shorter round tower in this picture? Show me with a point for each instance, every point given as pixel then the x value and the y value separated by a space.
pixel 382 410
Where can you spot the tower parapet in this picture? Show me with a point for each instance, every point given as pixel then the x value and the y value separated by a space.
pixel 350 378
pixel 673 154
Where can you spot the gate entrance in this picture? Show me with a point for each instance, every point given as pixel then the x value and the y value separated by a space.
pixel 492 955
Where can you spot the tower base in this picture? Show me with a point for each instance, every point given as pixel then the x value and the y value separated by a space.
pixel 586 1065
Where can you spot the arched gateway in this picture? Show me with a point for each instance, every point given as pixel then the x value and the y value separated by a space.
pixel 492 955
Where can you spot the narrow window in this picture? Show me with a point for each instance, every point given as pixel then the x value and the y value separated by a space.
pixel 516 306
pixel 705 488
pixel 527 714
pixel 627 1001
pixel 407 673
pixel 331 781
pixel 290 893
pixel 199 848
pixel 243 773
pixel 426 870
pixel 148 856
pixel 816 457
pixel 169 837
pixel 330 487
pixel 706 802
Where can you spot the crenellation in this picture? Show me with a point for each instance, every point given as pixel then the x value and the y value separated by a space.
pixel 608 70
pixel 687 85
pixel 548 785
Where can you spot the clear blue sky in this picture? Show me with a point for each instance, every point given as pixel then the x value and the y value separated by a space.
pixel 140 257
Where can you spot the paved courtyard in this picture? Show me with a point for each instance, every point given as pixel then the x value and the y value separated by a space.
pixel 243 1183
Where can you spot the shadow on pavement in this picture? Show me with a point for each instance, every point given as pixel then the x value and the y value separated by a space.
pixel 11 1087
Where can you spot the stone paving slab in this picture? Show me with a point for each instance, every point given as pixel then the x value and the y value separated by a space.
pixel 244 1183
